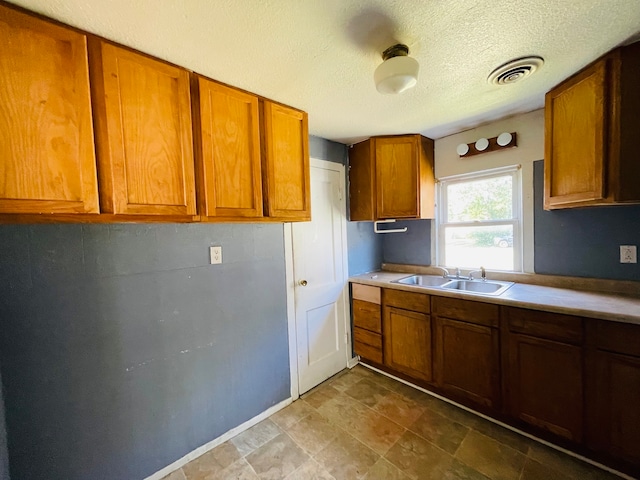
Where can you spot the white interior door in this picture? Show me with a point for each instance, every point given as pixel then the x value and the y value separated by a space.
pixel 320 275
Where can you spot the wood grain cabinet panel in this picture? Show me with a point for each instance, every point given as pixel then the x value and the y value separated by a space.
pixel 229 165
pixel 142 111
pixel 46 133
pixel 591 126
pixel 467 350
pixel 286 180
pixel 392 177
pixel 544 381
pixel 407 342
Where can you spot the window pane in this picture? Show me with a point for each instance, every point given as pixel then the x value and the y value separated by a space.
pixel 485 199
pixel 472 247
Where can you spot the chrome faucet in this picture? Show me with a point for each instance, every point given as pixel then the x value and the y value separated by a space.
pixel 445 272
pixel 483 274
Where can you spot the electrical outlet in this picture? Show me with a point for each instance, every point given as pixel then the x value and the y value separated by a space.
pixel 216 255
pixel 628 254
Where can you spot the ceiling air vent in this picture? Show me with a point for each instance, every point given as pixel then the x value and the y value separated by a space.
pixel 515 70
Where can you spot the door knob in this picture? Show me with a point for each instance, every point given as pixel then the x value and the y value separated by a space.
pixel 302 283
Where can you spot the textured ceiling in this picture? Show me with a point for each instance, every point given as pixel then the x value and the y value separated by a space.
pixel 320 55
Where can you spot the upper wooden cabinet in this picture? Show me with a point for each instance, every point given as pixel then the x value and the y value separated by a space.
pixel 142 114
pixel 591 127
pixel 46 135
pixel 392 177
pixel 285 162
pixel 228 163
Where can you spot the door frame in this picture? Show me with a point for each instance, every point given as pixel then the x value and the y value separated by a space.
pixel 290 279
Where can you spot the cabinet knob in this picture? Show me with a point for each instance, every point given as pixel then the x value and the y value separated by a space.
pixel 302 283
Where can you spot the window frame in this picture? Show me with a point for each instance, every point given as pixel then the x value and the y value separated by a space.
pixel 516 221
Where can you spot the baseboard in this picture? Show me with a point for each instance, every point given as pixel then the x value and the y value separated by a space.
pixel 218 441
pixel 352 362
pixel 504 425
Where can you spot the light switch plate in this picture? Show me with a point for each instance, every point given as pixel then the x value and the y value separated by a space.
pixel 628 254
pixel 216 255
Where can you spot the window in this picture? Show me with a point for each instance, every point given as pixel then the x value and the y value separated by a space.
pixel 479 220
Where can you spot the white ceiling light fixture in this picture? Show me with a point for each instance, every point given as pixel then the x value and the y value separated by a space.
pixel 398 72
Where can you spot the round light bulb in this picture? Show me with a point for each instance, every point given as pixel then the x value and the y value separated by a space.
pixel 462 149
pixel 482 144
pixel 504 139
pixel 396 74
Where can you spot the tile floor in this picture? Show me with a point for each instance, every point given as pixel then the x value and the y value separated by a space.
pixel 363 425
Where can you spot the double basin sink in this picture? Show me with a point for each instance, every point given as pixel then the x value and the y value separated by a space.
pixel 481 287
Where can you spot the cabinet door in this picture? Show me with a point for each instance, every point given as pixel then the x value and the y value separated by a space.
pixel 230 181
pixel 143 126
pixel 397 177
pixel 613 411
pixel 544 382
pixel 576 139
pixel 286 184
pixel 407 342
pixel 46 134
pixel 467 361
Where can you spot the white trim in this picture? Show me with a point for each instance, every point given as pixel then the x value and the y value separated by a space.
pixel 353 362
pixel 504 425
pixel 516 220
pixel 218 441
pixel 291 310
pixel 290 280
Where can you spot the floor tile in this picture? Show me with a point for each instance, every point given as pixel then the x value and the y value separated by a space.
pixel 384 470
pixel 290 415
pixel 460 471
pixel 534 470
pixel 343 411
pixel 502 435
pixel 363 372
pixel 310 470
pixel 367 392
pixel 177 475
pixel 313 432
pixel 240 470
pixel 346 458
pixel 489 457
pixel 344 381
pixel 277 458
pixel 375 431
pixel 399 408
pixel 567 465
pixel 419 458
pixel 211 464
pixel 320 395
pixel 440 430
pixel 255 437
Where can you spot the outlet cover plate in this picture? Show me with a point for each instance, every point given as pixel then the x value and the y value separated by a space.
pixel 628 254
pixel 216 255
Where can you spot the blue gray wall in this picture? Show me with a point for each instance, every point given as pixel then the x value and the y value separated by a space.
pixel 122 349
pixel 4 454
pixel 584 242
pixel 412 247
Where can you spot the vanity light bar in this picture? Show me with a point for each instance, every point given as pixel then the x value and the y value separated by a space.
pixel 483 145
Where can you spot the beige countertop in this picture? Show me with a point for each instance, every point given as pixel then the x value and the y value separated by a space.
pixel 605 306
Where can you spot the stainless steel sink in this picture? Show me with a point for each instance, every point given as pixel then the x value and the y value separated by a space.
pixel 422 280
pixel 489 287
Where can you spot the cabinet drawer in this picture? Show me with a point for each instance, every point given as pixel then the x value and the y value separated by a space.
pixel 467 311
pixel 416 302
pixel 367 315
pixel 618 337
pixel 554 326
pixel 365 293
pixel 370 338
pixel 367 344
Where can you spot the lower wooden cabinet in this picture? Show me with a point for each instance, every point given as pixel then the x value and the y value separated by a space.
pixel 613 391
pixel 407 334
pixel 467 350
pixel 543 371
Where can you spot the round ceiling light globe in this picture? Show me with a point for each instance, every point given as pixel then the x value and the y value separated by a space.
pixel 396 75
